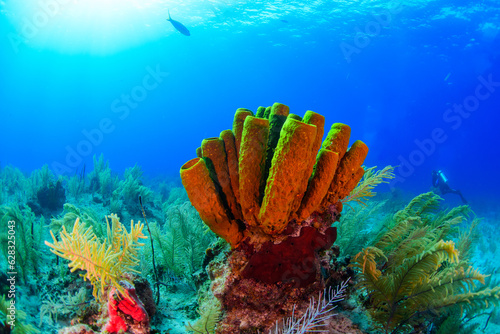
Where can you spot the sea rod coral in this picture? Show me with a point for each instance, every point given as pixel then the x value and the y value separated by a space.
pixel 272 190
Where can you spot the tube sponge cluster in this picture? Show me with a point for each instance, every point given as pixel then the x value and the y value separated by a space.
pixel 270 169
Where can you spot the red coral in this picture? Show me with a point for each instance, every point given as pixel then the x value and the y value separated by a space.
pixel 293 260
pixel 121 305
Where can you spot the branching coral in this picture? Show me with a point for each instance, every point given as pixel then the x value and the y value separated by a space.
pixel 272 190
pixel 76 186
pixel 316 314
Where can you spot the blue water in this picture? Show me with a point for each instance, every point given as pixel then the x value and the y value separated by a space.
pixel 394 86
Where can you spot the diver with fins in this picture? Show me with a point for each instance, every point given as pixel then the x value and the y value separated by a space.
pixel 440 181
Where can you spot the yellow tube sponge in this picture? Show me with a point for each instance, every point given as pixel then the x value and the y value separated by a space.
pixel 319 121
pixel 351 183
pixel 347 170
pixel 272 174
pixel 337 139
pixel 205 198
pixel 260 112
pixel 232 162
pixel 252 159
pixel 214 155
pixel 287 174
pixel 239 121
pixel 319 184
pixel 267 112
pixel 277 117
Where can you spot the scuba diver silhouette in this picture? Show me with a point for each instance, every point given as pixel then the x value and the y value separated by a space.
pixel 440 181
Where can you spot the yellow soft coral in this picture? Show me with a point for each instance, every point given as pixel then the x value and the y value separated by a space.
pixel 104 261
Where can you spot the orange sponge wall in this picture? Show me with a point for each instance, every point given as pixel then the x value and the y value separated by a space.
pixel 267 171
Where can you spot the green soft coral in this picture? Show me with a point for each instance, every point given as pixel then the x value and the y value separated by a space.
pixel 181 242
pixel 102 180
pixel 87 216
pixel 131 188
pixel 28 237
pixel 13 185
pixel 411 271
pixel 370 180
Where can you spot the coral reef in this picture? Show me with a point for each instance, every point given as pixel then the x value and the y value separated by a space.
pixel 250 286
pixel 264 189
pixel 358 226
pixel 370 179
pixel 45 193
pixel 145 294
pixel 14 185
pixel 340 324
pixel 210 312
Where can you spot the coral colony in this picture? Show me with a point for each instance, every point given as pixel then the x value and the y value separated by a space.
pixel 271 189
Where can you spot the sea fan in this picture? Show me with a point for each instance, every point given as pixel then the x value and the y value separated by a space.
pixel 316 314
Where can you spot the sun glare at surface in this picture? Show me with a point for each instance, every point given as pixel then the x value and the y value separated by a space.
pixel 87 26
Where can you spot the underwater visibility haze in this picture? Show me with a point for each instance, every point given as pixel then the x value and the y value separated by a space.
pixel 208 166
